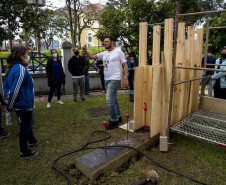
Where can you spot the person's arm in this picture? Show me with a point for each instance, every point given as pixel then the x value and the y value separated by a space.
pixel 12 92
pixel 220 74
pixel 89 54
pixel 70 66
pixel 125 81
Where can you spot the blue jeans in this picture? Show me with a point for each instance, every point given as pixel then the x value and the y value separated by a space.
pixel 111 97
pixel 25 119
pixel 87 83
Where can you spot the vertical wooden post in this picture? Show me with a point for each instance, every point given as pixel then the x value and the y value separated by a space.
pixel 178 95
pixel 191 39
pixel 156 101
pixel 197 63
pixel 167 70
pixel 156 45
pixel 143 43
pixel 140 79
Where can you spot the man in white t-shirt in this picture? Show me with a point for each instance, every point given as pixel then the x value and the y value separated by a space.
pixel 113 59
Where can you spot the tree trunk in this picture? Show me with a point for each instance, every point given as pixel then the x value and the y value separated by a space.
pixel 68 2
pixel 75 21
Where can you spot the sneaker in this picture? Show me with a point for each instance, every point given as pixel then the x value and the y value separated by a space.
pixel 75 101
pixel 29 153
pixel 33 144
pixel 104 91
pixel 112 125
pixel 4 134
pixel 48 105
pixel 83 99
pixel 120 119
pixel 60 102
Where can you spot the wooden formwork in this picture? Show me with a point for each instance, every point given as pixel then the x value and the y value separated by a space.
pixel 153 82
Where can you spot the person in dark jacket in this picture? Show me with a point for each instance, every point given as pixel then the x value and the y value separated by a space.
pixel 131 62
pixel 99 64
pixel 86 72
pixel 219 78
pixel 56 76
pixel 76 67
pixel 208 78
pixel 18 88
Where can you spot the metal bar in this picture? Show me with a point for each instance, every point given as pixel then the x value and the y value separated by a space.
pixel 189 94
pixel 221 27
pixel 201 13
pixel 173 71
pixel 205 61
pixel 200 68
pixel 216 64
pixel 188 81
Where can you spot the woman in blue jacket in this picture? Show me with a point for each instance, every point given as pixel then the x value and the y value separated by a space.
pixel 18 88
pixel 131 62
pixel 219 78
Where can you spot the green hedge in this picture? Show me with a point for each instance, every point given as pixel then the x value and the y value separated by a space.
pixel 92 50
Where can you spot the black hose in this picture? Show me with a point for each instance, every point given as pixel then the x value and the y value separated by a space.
pixel 118 146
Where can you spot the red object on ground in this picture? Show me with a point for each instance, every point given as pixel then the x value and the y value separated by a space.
pixel 221 145
pixel 127 116
pixel 105 124
pixel 145 108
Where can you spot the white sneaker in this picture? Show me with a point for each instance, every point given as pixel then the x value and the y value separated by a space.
pixel 48 105
pixel 60 102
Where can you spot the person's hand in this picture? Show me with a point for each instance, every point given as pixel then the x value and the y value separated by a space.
pixel 84 48
pixel 125 83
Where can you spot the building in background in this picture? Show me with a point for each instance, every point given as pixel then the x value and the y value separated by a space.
pixel 88 34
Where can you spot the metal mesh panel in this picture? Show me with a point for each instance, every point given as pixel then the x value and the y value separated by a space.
pixel 204 125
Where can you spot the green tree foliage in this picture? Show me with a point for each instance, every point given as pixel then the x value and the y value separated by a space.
pixel 217 39
pixel 121 18
pixel 9 15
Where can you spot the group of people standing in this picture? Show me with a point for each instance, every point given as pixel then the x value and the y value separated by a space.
pixel 19 90
pixel 216 80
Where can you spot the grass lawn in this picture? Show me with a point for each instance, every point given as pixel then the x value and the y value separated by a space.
pixel 65 128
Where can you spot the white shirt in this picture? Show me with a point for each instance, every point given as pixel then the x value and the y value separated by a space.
pixel 112 62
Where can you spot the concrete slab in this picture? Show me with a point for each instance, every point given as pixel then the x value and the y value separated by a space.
pixel 100 161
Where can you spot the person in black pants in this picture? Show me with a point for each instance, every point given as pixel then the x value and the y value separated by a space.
pixel 99 64
pixel 56 76
pixel 132 62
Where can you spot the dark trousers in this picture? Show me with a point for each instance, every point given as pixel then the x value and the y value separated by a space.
pixel 25 119
pixel 87 83
pixel 219 92
pixel 101 73
pixel 52 89
pixel 131 81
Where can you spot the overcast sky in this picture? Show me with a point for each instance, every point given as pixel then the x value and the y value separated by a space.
pixel 61 3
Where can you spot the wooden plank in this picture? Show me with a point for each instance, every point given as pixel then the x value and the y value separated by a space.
pixel 181 57
pixel 179 75
pixel 197 63
pixel 191 39
pixel 214 104
pixel 138 97
pixel 186 85
pixel 156 45
pixel 149 95
pixel 167 70
pixel 143 43
pixel 156 111
pixel 145 87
